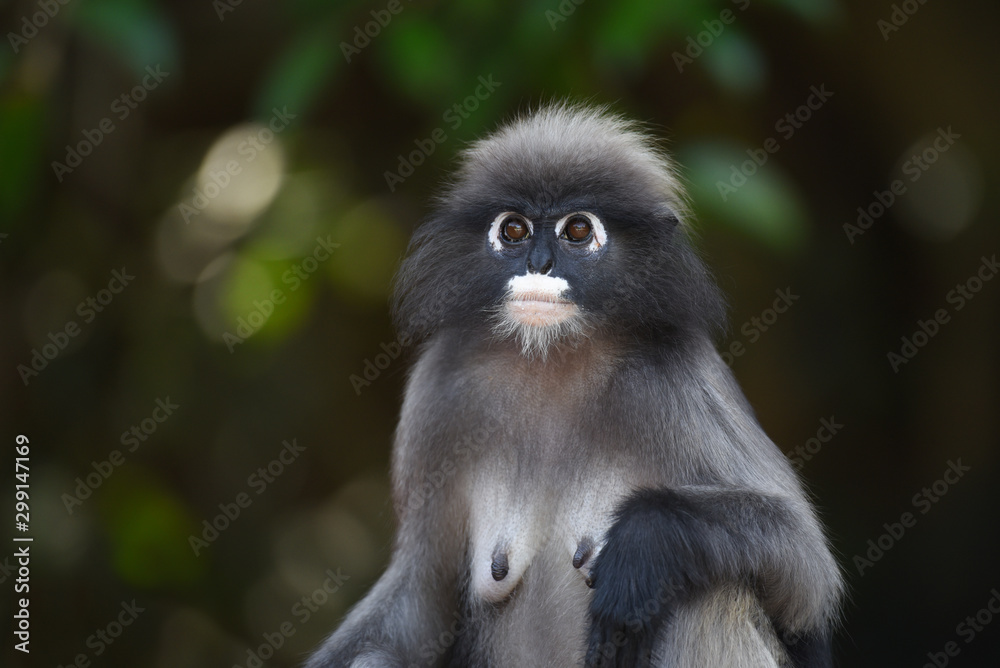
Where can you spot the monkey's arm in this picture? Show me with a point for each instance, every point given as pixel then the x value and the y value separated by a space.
pixel 667 547
pixel 400 619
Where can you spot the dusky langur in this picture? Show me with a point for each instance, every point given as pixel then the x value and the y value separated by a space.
pixel 578 478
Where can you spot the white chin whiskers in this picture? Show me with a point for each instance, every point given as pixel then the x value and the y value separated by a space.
pixel 537 311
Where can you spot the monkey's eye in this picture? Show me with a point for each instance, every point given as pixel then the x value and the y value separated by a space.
pixel 577 229
pixel 582 229
pixel 514 229
pixel 508 229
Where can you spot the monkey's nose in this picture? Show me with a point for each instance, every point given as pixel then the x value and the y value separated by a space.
pixel 540 259
pixel 546 268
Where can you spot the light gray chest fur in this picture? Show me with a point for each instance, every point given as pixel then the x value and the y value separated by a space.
pixel 536 487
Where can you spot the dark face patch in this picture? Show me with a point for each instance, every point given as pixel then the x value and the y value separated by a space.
pixel 645 280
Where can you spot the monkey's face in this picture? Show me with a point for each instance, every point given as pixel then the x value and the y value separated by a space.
pixel 546 259
pixel 560 227
pixel 511 266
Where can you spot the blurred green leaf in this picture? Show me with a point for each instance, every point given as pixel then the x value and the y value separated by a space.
pixel 630 29
pixel 300 211
pixel 766 207
pixel 482 11
pixel 420 58
pixel 137 30
pixel 814 11
pixel 300 74
pixel 148 529
pixel 22 126
pixel 371 246
pixel 253 282
pixel 533 29
pixel 736 63
pixel 247 281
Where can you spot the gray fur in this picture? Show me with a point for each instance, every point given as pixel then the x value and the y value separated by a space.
pixel 502 452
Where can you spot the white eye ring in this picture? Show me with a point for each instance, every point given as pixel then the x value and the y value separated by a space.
pixel 494 235
pixel 600 237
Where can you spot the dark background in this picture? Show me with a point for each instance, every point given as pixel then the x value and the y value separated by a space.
pixel 224 68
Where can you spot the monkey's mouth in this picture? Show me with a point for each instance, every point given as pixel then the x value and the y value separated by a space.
pixel 537 300
pixel 539 309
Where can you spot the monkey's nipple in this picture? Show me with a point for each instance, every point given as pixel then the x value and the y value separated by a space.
pixel 581 558
pixel 499 567
pixel 583 552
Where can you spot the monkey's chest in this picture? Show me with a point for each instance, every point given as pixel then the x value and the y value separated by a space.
pixel 527 524
pixel 531 547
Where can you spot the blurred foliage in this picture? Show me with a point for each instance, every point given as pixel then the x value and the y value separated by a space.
pixel 248 193
pixel 138 32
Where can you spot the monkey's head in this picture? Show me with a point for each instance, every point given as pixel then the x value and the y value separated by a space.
pixel 563 224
